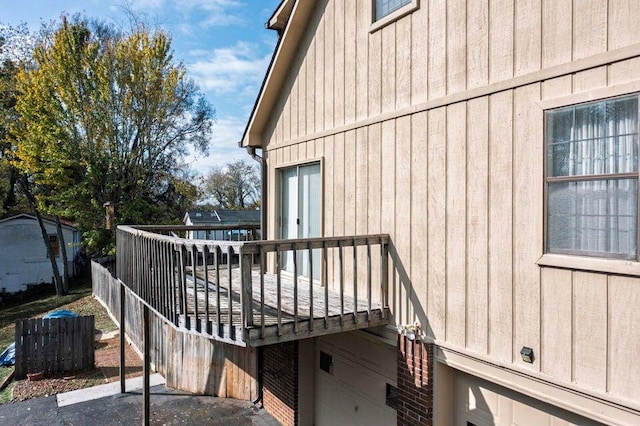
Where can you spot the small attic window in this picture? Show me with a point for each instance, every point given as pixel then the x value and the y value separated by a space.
pixel 387 7
pixel 198 214
pixel 385 12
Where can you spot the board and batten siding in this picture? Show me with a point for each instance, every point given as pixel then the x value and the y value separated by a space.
pixel 430 129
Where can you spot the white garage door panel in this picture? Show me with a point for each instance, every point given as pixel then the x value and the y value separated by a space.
pixel 362 350
pixel 481 403
pixel 355 391
pixel 339 405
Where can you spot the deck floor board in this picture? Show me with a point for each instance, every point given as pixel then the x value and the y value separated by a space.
pixel 327 321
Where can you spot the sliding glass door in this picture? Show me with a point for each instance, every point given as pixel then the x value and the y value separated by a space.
pixel 301 213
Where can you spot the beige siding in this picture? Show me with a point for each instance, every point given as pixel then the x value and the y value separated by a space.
pixel 500 243
pixel 456 177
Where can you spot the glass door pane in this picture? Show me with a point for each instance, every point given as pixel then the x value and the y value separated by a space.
pixel 301 203
pixel 289 212
pixel 310 200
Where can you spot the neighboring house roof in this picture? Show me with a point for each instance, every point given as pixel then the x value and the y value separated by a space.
pixel 50 220
pixel 290 19
pixel 223 217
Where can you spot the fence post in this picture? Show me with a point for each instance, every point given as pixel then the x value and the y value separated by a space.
pixel 145 373
pixel 122 338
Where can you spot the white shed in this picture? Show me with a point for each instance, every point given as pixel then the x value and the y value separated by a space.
pixel 23 255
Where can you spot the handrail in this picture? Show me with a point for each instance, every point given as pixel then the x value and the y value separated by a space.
pixel 183 279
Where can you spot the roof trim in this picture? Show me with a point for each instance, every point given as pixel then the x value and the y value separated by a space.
pixel 278 21
pixel 51 221
pixel 277 72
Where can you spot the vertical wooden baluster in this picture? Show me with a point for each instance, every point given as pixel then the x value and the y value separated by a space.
pixel 295 291
pixel 310 252
pixel 278 292
pixel 262 268
pixel 368 280
pixel 205 268
pixel 194 276
pixel 355 283
pixel 341 270
pixel 384 258
pixel 325 283
pixel 183 286
pixel 246 292
pixel 218 287
pixel 174 272
pixel 230 291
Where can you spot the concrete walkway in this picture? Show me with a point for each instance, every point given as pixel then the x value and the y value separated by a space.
pixel 104 406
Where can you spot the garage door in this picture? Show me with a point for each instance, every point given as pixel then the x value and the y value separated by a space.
pixel 480 403
pixel 355 379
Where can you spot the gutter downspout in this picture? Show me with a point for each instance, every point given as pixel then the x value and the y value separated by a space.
pixel 263 189
pixel 263 234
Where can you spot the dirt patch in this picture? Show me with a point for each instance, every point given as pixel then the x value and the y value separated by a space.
pixel 107 362
pixel 58 383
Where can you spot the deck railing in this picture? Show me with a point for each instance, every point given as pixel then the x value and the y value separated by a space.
pixel 215 287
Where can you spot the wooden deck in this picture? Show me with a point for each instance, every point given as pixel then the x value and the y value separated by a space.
pixel 243 305
pixel 318 311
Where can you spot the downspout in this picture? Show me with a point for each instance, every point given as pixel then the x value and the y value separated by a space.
pixel 263 190
pixel 263 234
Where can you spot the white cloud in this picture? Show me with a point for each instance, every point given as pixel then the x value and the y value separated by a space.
pixel 223 147
pixel 205 13
pixel 239 68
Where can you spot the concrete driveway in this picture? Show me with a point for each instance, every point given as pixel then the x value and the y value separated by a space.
pixel 168 407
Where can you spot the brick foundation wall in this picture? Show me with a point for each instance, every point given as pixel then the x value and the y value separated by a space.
pixel 415 382
pixel 280 382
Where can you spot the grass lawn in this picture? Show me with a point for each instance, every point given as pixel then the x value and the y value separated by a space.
pixel 78 300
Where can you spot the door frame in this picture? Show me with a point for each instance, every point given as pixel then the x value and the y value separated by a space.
pixel 278 208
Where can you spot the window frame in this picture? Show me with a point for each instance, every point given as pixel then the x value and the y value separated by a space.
pixel 402 11
pixel 595 261
pixel 54 243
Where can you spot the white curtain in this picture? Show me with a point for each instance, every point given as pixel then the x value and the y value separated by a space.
pixel 596 216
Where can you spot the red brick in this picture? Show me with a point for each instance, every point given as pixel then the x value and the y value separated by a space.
pixel 415 386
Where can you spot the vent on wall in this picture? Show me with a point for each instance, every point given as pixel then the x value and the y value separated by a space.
pixel 326 362
pixel 392 396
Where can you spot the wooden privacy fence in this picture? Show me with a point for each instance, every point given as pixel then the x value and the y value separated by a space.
pixel 54 345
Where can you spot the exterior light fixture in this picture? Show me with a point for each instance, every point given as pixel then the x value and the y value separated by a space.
pixel 527 354
pixel 411 331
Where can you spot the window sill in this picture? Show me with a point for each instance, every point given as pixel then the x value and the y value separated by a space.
pixel 613 266
pixel 394 16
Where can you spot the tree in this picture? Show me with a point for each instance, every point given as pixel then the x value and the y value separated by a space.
pixel 236 186
pixel 106 116
pixel 13 43
pixel 8 175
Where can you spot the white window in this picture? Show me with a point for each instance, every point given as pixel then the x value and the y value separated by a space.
pixel 53 243
pixel 386 7
pixel 592 179
pixel 385 12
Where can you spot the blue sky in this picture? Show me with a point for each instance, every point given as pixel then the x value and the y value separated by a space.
pixel 223 44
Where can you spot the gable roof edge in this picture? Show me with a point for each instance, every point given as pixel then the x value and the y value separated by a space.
pixel 277 71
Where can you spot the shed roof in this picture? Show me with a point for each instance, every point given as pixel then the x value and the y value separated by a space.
pixel 64 223
pixel 223 217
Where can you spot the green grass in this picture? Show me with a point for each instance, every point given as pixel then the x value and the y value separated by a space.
pixel 37 307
